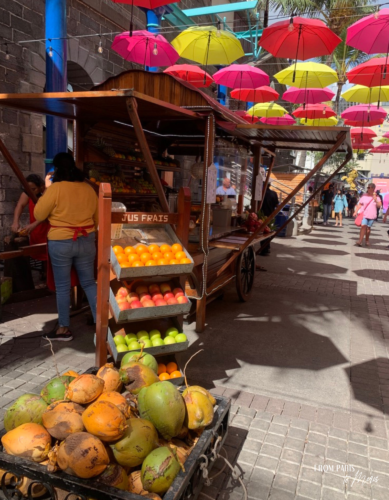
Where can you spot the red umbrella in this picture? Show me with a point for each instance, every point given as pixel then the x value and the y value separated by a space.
pixel 246 116
pixel 241 76
pixel 281 120
pixel 362 145
pixel 366 132
pixel 260 94
pixel 363 123
pixel 307 96
pixel 190 73
pixel 371 73
pixel 314 112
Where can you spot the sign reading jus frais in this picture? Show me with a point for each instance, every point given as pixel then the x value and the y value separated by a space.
pixel 144 218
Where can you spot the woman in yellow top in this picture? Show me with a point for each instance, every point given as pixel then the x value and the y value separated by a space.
pixel 71 206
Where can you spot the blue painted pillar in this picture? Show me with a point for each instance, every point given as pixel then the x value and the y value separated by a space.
pixel 56 75
pixel 154 24
pixel 221 94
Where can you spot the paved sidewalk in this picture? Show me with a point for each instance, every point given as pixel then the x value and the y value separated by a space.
pixel 305 363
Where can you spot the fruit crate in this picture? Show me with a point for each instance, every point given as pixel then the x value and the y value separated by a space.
pixel 186 486
pixel 162 324
pixel 150 233
pixel 145 312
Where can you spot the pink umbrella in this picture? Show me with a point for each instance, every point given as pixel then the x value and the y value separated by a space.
pixel 241 76
pixel 386 135
pixel 190 73
pixel 282 120
pixel 307 96
pixel 143 47
pixel 362 145
pixel 366 132
pixel 363 123
pixel 371 73
pixel 314 111
pixel 371 33
pixel 260 94
pixel 246 116
pixel 383 148
pixel 363 112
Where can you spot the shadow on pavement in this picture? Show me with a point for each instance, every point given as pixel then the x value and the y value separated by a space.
pixel 323 242
pixel 374 274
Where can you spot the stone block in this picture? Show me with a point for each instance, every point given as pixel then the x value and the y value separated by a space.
pixel 20 24
pixel 266 462
pixel 309 490
pixel 82 56
pixel 286 483
pixel 288 469
pixel 10 116
pixel 308 474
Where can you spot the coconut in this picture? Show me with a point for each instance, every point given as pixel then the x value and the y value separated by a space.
pixel 71 373
pixel 199 409
pixel 31 441
pixel 63 418
pixel 118 400
pixel 197 388
pixel 140 438
pixel 30 488
pixel 111 378
pixel 136 376
pixel 82 455
pixel 104 420
pixel 146 359
pixel 26 409
pixel 159 470
pixel 55 389
pixel 162 404
pixel 85 389
pixel 135 483
pixel 114 475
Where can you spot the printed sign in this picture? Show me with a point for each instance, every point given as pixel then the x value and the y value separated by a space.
pixel 258 187
pixel 262 171
pixel 211 183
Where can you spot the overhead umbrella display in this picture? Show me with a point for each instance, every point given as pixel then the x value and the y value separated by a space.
pixel 267 110
pixel 314 111
pixel 366 95
pixel 367 132
pixel 319 122
pixel 307 95
pixel 191 74
pixel 143 47
pixel 260 94
pixel 283 120
pixel 307 75
pixel 384 140
pixel 364 113
pixel 382 148
pixel 246 116
pixel 386 134
pixel 208 45
pixel 372 73
pixel 371 33
pixel 363 123
pixel 242 76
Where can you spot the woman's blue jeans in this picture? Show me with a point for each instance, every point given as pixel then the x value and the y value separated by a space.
pixel 81 254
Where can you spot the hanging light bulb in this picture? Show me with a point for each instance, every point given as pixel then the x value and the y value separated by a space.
pixel 100 49
pixel 377 13
pixel 50 52
pixel 291 26
pixel 218 32
pixel 7 56
pixel 155 49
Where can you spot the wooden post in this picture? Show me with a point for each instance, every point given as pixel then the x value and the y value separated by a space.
pixel 132 109
pixel 256 166
pixel 11 162
pixel 273 160
pixel 103 272
pixel 183 210
pixel 243 176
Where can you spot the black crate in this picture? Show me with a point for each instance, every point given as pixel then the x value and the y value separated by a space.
pixel 186 486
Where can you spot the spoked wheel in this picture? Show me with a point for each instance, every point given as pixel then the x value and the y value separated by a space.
pixel 245 271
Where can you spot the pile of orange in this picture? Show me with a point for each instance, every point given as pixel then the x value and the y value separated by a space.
pixel 152 255
pixel 169 371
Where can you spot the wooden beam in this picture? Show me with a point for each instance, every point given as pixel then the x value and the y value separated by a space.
pixel 103 272
pixel 12 163
pixel 183 209
pixel 267 180
pixel 132 109
pixel 257 163
pixel 243 178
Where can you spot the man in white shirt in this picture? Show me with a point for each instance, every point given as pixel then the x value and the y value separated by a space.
pixel 225 189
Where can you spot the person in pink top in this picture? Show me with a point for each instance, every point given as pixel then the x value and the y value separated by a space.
pixel 369 203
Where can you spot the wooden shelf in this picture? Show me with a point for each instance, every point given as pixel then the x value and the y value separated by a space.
pixel 135 196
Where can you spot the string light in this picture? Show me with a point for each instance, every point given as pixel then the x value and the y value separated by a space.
pixel 100 50
pixel 155 49
pixel 218 33
pixel 291 26
pixel 7 56
pixel 50 53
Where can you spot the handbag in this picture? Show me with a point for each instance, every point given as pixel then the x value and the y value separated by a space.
pixel 359 217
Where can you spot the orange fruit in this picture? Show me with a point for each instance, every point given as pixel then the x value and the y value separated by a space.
pixel 126 264
pixel 162 262
pixel 168 255
pixel 141 249
pixel 176 374
pixel 171 367
pixel 150 263
pixel 176 248
pixel 157 255
pixel 161 368
pixel 173 261
pixel 185 261
pixel 165 248
pixel 144 257
pixel 129 250
pixel 137 263
pixel 153 248
pixel 117 249
pixel 164 376
pixel 180 255
pixel 132 257
pixel 121 257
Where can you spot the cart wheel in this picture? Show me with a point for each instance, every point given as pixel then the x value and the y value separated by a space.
pixel 245 271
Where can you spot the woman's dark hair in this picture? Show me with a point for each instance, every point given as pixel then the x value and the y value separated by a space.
pixel 66 170
pixel 35 179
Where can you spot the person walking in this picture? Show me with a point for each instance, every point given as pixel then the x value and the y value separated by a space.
pixel 71 206
pixel 368 204
pixel 340 203
pixel 352 204
pixel 328 195
pixel 380 197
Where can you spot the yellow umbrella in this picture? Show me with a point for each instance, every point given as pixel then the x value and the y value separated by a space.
pixel 267 110
pixel 307 75
pixel 366 95
pixel 208 45
pixel 320 122
pixel 384 140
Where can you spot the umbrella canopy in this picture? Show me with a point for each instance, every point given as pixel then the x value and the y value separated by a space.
pixel 309 74
pixel 260 94
pixel 241 76
pixel 363 123
pixel 384 140
pixel 246 116
pixel 314 111
pixel 361 146
pixel 283 120
pixel 307 96
pixel 267 110
pixel 190 73
pixel 363 112
pixel 372 73
pixel 143 47
pixel 208 45
pixel 299 38
pixel 320 122
pixel 367 133
pixel 366 95
pixel 371 33
pixel 147 4
pixel 382 148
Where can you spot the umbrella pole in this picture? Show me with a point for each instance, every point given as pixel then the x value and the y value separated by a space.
pixel 306 90
pixel 132 13
pixel 147 45
pixel 297 51
pixel 206 58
